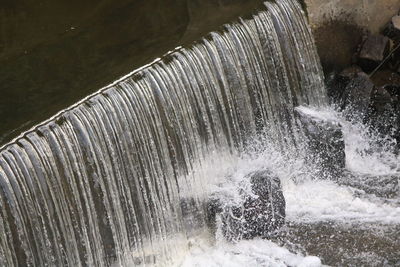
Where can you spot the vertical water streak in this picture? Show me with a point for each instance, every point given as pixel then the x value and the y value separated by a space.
pixel 117 178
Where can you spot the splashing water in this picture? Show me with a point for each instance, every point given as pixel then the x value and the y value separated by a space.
pixel 118 178
pixel 122 177
pixel 309 200
pixel 247 253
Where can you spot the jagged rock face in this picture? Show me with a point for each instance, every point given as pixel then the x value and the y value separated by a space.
pixel 259 213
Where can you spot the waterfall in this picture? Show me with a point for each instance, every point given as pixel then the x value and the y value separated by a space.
pixel 115 179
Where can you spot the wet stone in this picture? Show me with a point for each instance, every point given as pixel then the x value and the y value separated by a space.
pixel 373 51
pixel 381 98
pixel 357 95
pixel 325 143
pixel 385 111
pixel 338 82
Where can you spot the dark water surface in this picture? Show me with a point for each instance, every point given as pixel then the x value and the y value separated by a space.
pixel 53 53
pixel 346 244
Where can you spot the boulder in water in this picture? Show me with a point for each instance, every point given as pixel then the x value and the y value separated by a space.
pixel 385 111
pixel 325 143
pixel 357 95
pixel 259 211
pixel 338 83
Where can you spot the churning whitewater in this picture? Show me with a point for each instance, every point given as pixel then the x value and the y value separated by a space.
pixel 314 201
pixel 123 177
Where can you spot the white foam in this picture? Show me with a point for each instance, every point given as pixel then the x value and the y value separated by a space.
pixel 322 114
pixel 368 154
pixel 256 252
pixel 313 201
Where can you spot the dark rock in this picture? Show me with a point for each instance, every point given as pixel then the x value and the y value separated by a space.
pixel 394 59
pixel 392 30
pixel 386 186
pixel 337 84
pixel 335 88
pixel 380 99
pixel 325 144
pixel 382 116
pixel 384 77
pixel 357 95
pixel 350 73
pixel 394 91
pixel 385 111
pixel 259 213
pixel 373 51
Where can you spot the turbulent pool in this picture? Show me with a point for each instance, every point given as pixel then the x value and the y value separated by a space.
pixel 328 222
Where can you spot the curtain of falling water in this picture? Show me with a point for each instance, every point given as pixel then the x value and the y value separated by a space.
pixel 110 180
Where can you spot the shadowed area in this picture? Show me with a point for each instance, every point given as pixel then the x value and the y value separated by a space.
pixel 54 53
pixel 337 54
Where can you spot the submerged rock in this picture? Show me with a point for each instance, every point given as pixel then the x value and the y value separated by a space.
pixel 325 143
pixel 259 211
